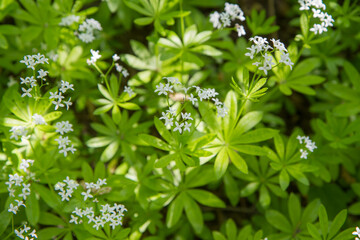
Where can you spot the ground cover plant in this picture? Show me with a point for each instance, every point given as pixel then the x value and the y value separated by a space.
pixel 179 119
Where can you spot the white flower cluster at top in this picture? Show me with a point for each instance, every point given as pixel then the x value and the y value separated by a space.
pixel 310 145
pixel 86 30
pixel 24 233
pixel 231 13
pixel 108 214
pixel 357 233
pixel 58 95
pixel 31 61
pixel 170 116
pixel 326 20
pixel 17 186
pixel 120 68
pixel 261 45
pixel 64 142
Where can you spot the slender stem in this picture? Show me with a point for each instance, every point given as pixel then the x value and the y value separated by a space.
pixel 182 37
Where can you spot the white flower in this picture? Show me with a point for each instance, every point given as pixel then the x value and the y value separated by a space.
pixel 25 164
pixel 18 131
pixel 192 99
pixel 222 111
pixel 252 52
pixel 125 73
pixel 278 45
pixel 69 20
pixel 286 59
pixel 95 56
pixel 87 194
pixel 66 86
pixel 87 37
pixel 225 19
pixel 42 73
pixel 38 119
pixel 171 111
pixel 63 127
pixel 187 126
pixel 168 121
pixel 186 116
pixel 13 208
pixel 240 30
pixel 178 127
pixel 68 103
pixel 161 89
pixel 118 67
pixel 304 153
pixel 57 104
pixel 234 11
pixel 26 92
pixel 217 102
pixel 357 232
pixel 128 90
pixel 172 80
pixel 215 19
pixel 73 219
pixel 115 57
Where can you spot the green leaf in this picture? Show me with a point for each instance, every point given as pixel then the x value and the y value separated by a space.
pixel 155 142
pixel 284 179
pixel 143 21
pixel 336 224
pixel 311 211
pixel 129 106
pixel 87 172
pixel 294 207
pixel 221 163
pixel 193 214
pixel 174 211
pixel 264 197
pixel 109 151
pixel 250 149
pixel 313 231
pixel 249 189
pixel 3 42
pixel 160 127
pixel 5 217
pixel 100 170
pixel 206 198
pixel 257 135
pixel 207 50
pixel 105 92
pixel 50 233
pixel 304 25
pixel 50 198
pixel 52 116
pixel 278 220
pixel 9 29
pixel 247 122
pixel 97 142
pixel 355 208
pixel 238 161
pixel 324 222
pixel 279 146
pixel 47 218
pixel 352 74
pixel 33 211
pixel 218 236
pixel 231 189
pixel 165 160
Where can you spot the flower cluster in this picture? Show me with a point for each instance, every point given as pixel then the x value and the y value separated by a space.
pixel 108 214
pixel 17 186
pixel 357 233
pixel 310 145
pixel 87 29
pixel 58 95
pixel 72 185
pixel 326 20
pixel 95 56
pixel 261 45
pixel 69 20
pixel 231 13
pixel 26 233
pixel 31 61
pixel 121 70
pixel 64 142
pixel 171 115
pixel 38 119
pixel 18 131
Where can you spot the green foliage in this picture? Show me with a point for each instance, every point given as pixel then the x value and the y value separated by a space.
pixel 254 139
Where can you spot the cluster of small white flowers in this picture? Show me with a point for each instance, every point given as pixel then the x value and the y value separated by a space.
pixel 121 70
pixel 38 119
pixel 24 233
pixel 326 20
pixel 70 185
pixel 87 29
pixel 261 45
pixel 357 233
pixel 31 61
pixel 69 20
pixel 310 145
pixel 63 127
pixel 18 131
pixel 129 90
pixel 231 13
pixel 17 188
pixel 58 97
pixel 202 94
pixel 64 142
pixel 108 214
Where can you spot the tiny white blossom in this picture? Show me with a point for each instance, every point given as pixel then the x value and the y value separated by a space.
pixel 128 90
pixel 38 119
pixel 87 194
pixel 26 92
pixel 178 127
pixel 115 57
